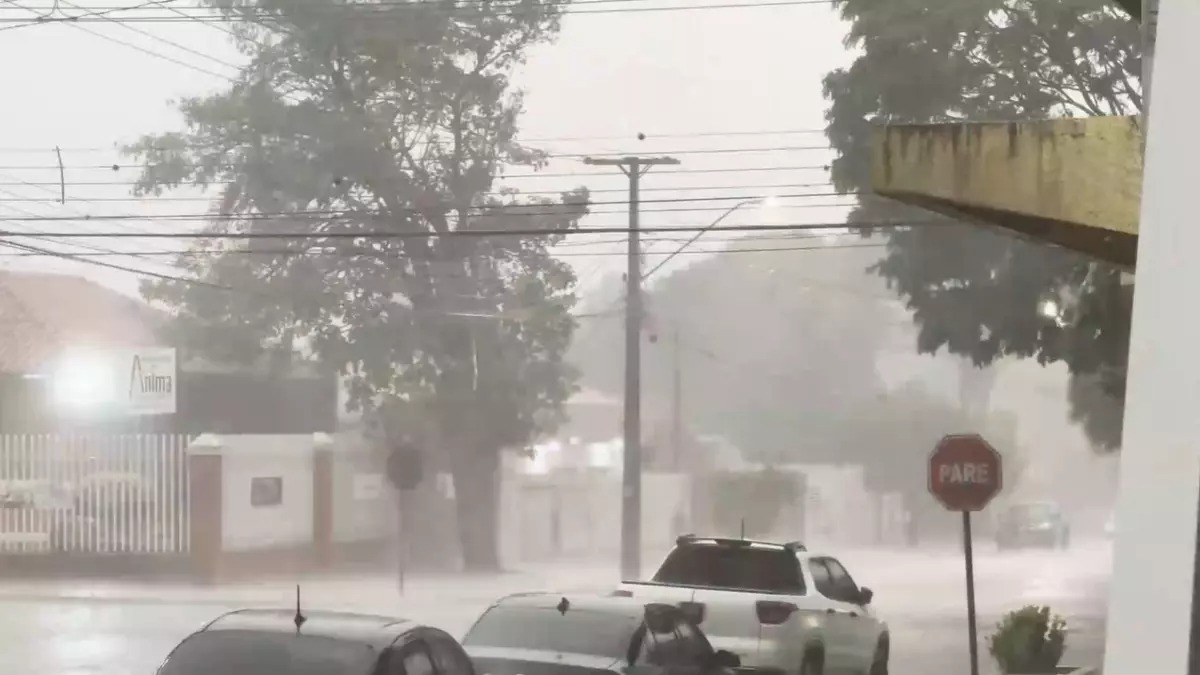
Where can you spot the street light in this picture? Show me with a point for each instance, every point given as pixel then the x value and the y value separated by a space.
pixel 83 381
pixel 757 201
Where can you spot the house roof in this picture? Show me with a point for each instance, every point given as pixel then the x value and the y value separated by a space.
pixel 44 314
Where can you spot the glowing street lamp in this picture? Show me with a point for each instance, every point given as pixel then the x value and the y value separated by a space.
pixel 83 381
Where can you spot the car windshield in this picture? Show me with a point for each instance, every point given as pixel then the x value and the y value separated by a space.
pixel 743 568
pixel 260 653
pixel 576 631
pixel 1033 512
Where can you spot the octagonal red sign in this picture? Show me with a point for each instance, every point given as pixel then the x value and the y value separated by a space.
pixel 965 472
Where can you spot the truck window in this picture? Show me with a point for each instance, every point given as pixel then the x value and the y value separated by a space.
pixel 738 568
pixel 832 580
pixel 821 578
pixel 842 581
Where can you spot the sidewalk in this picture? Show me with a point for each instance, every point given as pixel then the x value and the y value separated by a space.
pixel 872 566
pixel 342 591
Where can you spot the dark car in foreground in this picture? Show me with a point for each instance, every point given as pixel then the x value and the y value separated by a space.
pixel 547 634
pixel 1033 524
pixel 281 642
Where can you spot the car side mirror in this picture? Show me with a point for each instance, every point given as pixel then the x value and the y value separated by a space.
pixel 723 658
pixel 865 595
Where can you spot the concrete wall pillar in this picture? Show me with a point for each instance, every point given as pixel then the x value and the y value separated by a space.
pixel 323 498
pixel 1152 596
pixel 205 502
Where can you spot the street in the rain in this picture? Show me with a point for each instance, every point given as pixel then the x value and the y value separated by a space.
pixel 78 628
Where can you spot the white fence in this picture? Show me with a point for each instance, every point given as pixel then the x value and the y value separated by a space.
pixel 93 494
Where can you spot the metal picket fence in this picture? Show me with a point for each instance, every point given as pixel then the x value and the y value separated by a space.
pixel 94 494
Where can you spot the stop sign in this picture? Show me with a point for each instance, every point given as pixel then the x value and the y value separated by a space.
pixel 965 472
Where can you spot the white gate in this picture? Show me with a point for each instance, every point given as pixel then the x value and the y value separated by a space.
pixel 93 494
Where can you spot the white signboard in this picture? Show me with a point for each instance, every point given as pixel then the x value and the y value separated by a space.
pixel 152 381
pixel 368 486
pixel 140 381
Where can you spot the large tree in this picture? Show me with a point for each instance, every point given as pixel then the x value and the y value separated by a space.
pixel 903 426
pixel 975 291
pixel 358 150
pixel 776 348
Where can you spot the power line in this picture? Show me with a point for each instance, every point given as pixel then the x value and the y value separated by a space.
pixel 385 254
pixel 93 15
pixel 491 210
pixel 163 40
pixel 579 7
pixel 496 233
pixel 499 177
pixel 189 165
pixel 114 266
pixel 208 199
pixel 352 217
pixel 150 52
pixel 547 139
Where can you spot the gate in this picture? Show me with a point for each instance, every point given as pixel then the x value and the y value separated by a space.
pixel 94 494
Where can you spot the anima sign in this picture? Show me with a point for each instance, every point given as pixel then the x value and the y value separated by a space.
pixel 965 472
pixel 152 381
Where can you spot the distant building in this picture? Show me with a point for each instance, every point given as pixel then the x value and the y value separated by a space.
pixel 46 316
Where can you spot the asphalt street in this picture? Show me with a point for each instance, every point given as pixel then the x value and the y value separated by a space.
pixel 120 630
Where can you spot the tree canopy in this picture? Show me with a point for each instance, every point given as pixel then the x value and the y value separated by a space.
pixel 776 349
pixel 971 290
pixel 356 157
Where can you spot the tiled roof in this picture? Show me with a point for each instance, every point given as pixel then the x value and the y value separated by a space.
pixel 45 314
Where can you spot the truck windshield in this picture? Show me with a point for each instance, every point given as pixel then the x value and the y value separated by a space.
pixel 231 652
pixel 739 568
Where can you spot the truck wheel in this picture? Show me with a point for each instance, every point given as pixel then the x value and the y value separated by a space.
pixel 879 664
pixel 813 662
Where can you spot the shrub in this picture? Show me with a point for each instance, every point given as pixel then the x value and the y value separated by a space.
pixel 1029 641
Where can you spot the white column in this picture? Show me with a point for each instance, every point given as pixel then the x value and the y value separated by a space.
pixel 1149 621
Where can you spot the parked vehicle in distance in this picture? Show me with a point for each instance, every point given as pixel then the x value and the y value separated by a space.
pixel 280 642
pixel 776 606
pixel 1033 524
pixel 547 634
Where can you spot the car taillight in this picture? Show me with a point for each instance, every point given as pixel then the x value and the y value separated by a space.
pixel 773 613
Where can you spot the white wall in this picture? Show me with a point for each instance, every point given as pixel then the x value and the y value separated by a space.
pixel 290 523
pixel 363 500
pixel 588 505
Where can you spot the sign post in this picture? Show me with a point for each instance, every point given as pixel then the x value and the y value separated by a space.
pixel 965 473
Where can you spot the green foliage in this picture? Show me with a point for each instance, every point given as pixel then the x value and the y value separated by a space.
pixel 974 291
pixel 371 129
pixel 752 500
pixel 777 350
pixel 1029 641
pixel 902 428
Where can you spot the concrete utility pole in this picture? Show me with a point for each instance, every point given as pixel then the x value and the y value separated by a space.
pixel 676 400
pixel 631 494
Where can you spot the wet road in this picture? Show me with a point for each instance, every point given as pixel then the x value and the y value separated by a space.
pixel 921 597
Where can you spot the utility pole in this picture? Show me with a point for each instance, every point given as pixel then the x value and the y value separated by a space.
pixel 676 400
pixel 634 168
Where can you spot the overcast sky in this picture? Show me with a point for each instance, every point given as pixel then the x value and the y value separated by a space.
pixel 610 75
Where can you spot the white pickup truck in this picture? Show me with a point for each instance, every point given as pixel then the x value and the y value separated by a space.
pixel 778 607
